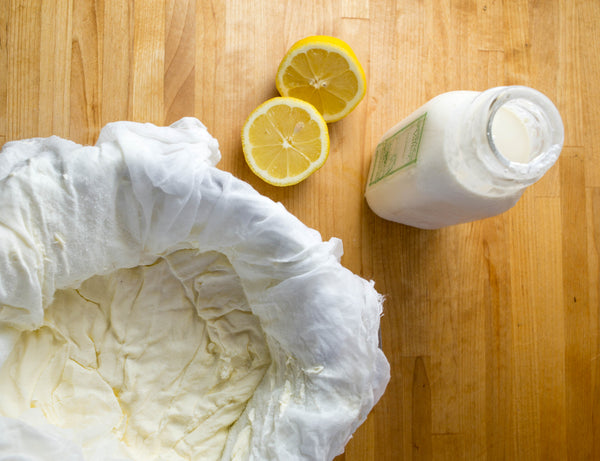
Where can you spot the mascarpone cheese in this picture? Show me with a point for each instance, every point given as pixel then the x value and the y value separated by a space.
pixel 157 361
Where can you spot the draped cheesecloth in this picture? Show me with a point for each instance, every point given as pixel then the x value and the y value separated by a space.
pixel 70 212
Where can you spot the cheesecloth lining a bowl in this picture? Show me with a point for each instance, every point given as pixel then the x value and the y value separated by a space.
pixel 145 191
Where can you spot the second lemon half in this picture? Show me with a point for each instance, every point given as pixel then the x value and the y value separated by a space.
pixel 285 140
pixel 324 71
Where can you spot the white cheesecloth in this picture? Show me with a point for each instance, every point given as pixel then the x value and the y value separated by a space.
pixel 70 212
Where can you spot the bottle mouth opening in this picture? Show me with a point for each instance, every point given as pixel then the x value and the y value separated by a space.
pixel 524 130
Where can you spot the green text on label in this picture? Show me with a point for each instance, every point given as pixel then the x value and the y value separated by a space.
pixel 398 151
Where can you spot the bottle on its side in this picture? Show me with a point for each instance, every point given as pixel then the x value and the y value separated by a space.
pixel 464 156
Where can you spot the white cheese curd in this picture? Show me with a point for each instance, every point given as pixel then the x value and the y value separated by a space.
pixel 161 358
pixel 153 307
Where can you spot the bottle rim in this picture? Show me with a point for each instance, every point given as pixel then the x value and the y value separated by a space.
pixel 544 159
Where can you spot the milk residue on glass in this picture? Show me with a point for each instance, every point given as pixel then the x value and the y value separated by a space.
pixel 463 156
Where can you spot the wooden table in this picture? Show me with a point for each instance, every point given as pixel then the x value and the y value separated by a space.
pixel 491 328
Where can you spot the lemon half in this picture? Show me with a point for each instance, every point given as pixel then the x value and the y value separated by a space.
pixel 325 72
pixel 285 140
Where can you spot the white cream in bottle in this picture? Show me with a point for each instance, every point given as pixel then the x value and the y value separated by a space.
pixel 463 156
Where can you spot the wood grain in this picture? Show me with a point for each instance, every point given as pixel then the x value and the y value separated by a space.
pixel 492 327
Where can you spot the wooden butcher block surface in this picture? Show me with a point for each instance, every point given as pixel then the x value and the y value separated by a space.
pixel 492 327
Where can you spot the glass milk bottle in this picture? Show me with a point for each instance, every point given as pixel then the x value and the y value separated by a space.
pixel 464 156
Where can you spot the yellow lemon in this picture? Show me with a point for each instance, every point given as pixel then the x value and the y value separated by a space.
pixel 285 140
pixel 324 71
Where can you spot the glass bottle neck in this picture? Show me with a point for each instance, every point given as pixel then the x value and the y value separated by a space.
pixel 517 133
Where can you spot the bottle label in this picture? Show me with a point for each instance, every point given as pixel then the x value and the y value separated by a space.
pixel 398 151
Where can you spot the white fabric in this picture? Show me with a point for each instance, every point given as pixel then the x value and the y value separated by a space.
pixel 69 212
